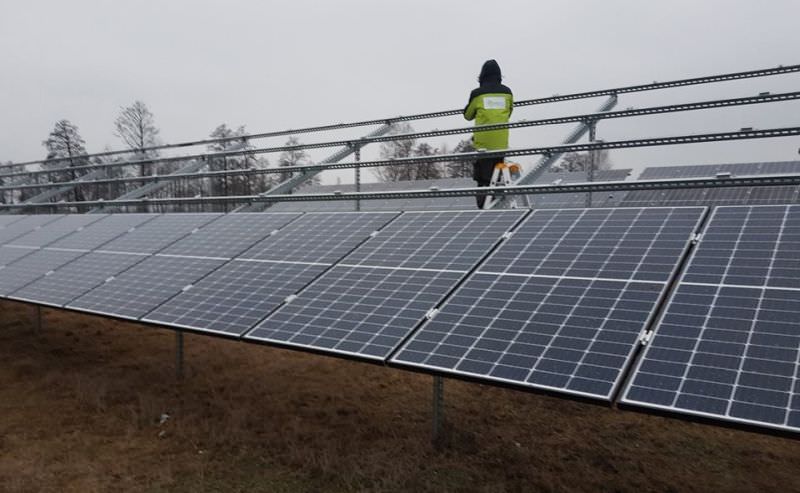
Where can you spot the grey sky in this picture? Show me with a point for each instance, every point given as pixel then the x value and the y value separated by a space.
pixel 281 64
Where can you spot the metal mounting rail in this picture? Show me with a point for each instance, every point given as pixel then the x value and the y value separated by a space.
pixel 668 184
pixel 780 70
pixel 546 151
pixel 373 138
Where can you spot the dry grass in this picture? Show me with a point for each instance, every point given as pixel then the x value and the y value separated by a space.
pixel 81 406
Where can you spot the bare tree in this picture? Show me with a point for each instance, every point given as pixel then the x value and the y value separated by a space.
pixel 459 169
pixel 65 142
pixel 294 157
pixel 136 127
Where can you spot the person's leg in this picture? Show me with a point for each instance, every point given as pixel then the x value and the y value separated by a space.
pixel 482 173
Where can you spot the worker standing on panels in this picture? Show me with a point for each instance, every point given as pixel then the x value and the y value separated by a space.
pixel 491 102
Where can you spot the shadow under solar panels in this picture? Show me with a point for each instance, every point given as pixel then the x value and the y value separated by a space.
pixel 728 344
pixel 562 305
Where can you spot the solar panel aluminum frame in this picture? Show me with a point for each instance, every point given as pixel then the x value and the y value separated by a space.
pixel 620 381
pixel 686 414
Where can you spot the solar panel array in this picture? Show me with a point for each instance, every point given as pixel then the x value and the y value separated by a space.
pixel 562 304
pixel 718 196
pixel 728 344
pixel 555 300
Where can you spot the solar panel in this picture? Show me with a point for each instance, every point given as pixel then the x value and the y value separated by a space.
pixel 10 254
pixel 242 292
pixel 318 237
pixel 363 311
pixel 136 291
pixel 5 220
pixel 75 278
pixel 624 243
pixel 103 231
pixel 561 305
pixel 728 344
pixel 435 240
pixel 159 232
pixel 55 230
pixel 230 234
pixel 23 226
pixel 365 305
pixel 236 296
pixel 31 267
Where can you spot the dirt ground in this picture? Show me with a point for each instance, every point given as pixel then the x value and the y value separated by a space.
pixel 84 406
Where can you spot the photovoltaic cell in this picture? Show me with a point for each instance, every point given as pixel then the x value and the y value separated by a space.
pixel 31 267
pixel 236 296
pixel 157 233
pixel 23 226
pixel 75 278
pixel 230 234
pixel 137 291
pixel 728 344
pixel 55 230
pixel 363 311
pixel 103 231
pixel 318 237
pixel 435 240
pixel 561 305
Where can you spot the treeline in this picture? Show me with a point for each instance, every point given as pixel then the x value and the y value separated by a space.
pixel 135 127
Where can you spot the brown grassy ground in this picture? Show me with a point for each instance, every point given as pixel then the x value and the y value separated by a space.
pixel 80 404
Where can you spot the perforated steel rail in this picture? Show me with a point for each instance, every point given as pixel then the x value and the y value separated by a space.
pixel 780 70
pixel 587 117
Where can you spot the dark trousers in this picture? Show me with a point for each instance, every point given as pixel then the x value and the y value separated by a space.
pixel 482 170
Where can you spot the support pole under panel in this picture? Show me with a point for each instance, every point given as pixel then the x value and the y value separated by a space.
pixel 179 354
pixel 438 411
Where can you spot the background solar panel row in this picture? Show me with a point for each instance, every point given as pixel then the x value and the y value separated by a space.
pixel 562 304
pixel 54 230
pixel 450 203
pixel 728 344
pixel 7 219
pixel 377 295
pixel 721 196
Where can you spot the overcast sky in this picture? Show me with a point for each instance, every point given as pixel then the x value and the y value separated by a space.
pixel 284 64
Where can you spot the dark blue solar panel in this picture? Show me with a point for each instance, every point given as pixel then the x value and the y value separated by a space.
pixel 103 231
pixel 75 278
pixel 23 226
pixel 55 230
pixel 140 289
pixel 319 237
pixel 435 240
pixel 561 305
pixel 363 311
pixel 230 234
pixel 158 233
pixel 728 345
pixel 639 244
pixel 31 267
pixel 236 296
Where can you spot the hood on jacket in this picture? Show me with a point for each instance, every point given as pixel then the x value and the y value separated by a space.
pixel 490 72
